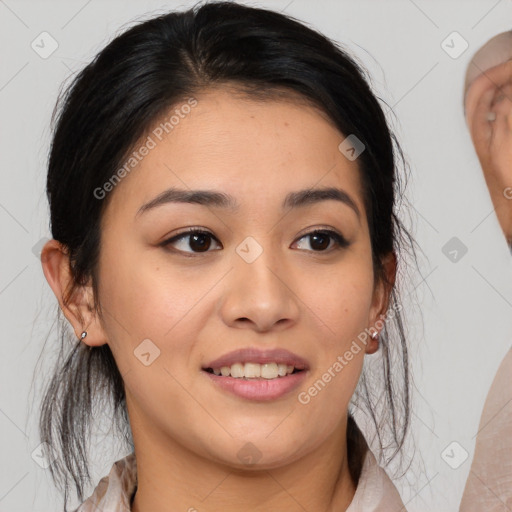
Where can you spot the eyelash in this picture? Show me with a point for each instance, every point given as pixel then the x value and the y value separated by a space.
pixel 340 240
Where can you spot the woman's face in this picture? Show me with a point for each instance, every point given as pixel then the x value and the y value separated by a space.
pixel 256 280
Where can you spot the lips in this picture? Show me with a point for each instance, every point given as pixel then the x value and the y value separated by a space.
pixel 254 355
pixel 259 390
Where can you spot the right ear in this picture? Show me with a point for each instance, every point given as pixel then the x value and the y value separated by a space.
pixel 491 94
pixel 78 310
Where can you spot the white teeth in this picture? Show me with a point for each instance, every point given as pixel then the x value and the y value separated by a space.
pixel 254 370
pixel 269 370
pixel 237 370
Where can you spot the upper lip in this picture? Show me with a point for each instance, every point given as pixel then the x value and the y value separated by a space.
pixel 254 355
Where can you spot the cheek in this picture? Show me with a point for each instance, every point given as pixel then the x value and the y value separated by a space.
pixel 146 297
pixel 341 300
pixel 342 305
pixel 142 301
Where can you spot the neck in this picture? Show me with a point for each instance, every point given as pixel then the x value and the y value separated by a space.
pixel 171 477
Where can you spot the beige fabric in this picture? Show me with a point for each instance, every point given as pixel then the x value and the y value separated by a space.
pixel 114 492
pixel 489 484
pixel 375 492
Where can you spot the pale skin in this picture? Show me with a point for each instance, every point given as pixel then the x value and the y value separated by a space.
pixel 491 91
pixel 186 432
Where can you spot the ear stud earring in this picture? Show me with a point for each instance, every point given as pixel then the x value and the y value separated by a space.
pixel 374 335
pixel 83 335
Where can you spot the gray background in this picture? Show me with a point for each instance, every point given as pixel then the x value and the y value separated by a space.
pixel 465 305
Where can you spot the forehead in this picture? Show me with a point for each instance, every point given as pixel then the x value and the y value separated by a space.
pixel 255 150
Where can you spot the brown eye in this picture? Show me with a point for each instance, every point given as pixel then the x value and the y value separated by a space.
pixel 192 241
pixel 199 242
pixel 320 240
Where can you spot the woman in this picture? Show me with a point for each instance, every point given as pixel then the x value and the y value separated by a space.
pixel 222 187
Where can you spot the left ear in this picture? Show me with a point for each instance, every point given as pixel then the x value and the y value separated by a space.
pixel 381 296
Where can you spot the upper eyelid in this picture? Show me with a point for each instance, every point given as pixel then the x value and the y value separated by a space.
pixel 191 231
pixel 331 231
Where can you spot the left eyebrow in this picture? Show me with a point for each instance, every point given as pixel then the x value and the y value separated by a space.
pixel 217 199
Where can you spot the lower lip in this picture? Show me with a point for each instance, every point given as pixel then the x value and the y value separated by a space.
pixel 259 389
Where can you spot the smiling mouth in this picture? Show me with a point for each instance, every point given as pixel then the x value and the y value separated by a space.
pixel 252 381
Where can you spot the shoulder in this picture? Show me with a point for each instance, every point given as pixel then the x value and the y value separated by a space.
pixel 375 491
pixel 489 482
pixel 114 491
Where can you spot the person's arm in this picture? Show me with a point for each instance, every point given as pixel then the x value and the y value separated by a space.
pixel 489 484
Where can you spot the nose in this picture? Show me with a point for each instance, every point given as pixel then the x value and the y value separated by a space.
pixel 259 295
